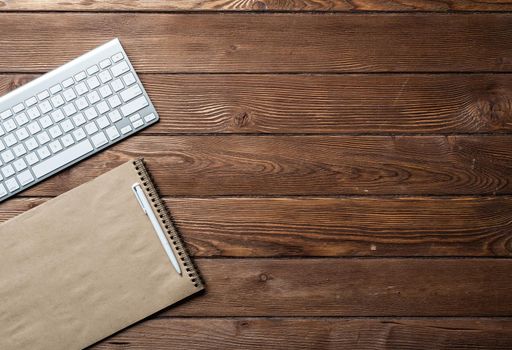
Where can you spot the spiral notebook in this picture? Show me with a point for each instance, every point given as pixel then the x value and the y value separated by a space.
pixel 87 264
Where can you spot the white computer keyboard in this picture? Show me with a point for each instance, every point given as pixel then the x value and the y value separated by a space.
pixel 69 114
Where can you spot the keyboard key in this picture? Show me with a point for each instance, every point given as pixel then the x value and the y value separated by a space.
pixel 68 82
pixel 9 125
pixel 99 139
pixel 57 101
pixel 79 119
pixel 45 121
pixel 120 68
pixel 129 79
pixel 126 129
pixel 43 94
pixel 67 140
pixel 43 153
pixel 34 127
pixel 81 103
pixel 92 70
pixel 8 170
pixel 117 85
pixel 105 63
pixel 31 158
pixel 10 140
pixel 114 101
pixel 130 93
pixel 112 133
pixel 55 88
pixel 22 134
pixel 91 128
pixel 117 57
pixel 93 83
pixel 103 107
pixel 80 76
pixel 55 146
pixel 25 177
pixel 19 150
pixel 6 114
pixel 134 106
pixel 91 113
pixel 105 91
pixel 105 76
pixel 31 101
pixel 69 95
pixel 45 106
pixel 3 191
pixel 74 152
pixel 21 119
pixel 31 144
pixel 79 134
pixel 18 108
pixel 43 137
pixel 138 124
pixel 134 117
pixel 103 122
pixel 55 131
pixel 57 116
pixel 33 113
pixel 12 185
pixel 93 97
pixel 19 164
pixel 115 116
pixel 69 109
pixel 81 89
pixel 66 125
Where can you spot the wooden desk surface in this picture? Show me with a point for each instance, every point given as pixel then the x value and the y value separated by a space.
pixel 341 170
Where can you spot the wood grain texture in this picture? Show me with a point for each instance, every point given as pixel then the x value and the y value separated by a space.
pixel 317 104
pixel 352 287
pixel 297 334
pixel 256 5
pixel 306 165
pixel 301 227
pixel 265 42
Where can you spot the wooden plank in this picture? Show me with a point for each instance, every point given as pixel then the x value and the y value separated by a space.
pixel 307 165
pixel 279 227
pixel 368 104
pixel 255 5
pixel 352 287
pixel 265 42
pixel 296 334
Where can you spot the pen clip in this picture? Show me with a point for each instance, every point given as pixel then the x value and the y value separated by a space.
pixel 134 189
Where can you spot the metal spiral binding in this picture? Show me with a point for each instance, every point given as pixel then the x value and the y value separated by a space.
pixel 163 214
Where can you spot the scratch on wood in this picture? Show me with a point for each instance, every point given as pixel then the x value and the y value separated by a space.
pixel 404 84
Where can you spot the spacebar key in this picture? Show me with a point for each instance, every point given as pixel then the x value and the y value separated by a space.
pixel 62 158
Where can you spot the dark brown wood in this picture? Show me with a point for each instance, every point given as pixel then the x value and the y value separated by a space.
pixel 265 42
pixel 275 227
pixel 257 5
pixel 352 287
pixel 296 334
pixel 363 104
pixel 307 165
pixel 355 208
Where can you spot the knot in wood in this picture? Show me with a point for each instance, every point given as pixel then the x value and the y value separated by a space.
pixel 259 5
pixel 492 107
pixel 241 119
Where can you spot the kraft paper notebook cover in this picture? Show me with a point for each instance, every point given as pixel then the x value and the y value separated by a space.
pixel 87 264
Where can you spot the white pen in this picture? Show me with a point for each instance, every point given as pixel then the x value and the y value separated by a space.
pixel 146 207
